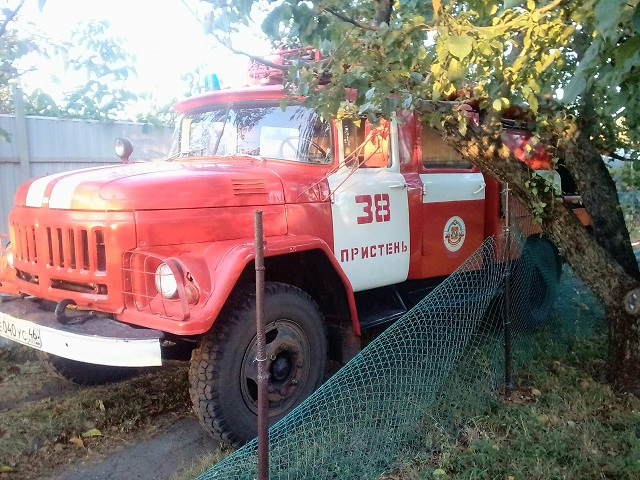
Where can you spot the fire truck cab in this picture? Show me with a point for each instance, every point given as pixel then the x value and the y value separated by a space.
pixel 113 267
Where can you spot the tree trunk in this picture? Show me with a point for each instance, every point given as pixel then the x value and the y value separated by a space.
pixel 600 198
pixel 383 12
pixel 607 278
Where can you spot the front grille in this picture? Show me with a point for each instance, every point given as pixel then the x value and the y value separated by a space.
pixel 25 248
pixel 69 248
pixel 76 249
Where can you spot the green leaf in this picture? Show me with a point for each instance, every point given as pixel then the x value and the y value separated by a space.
pixel 94 432
pixel 628 50
pixel 460 46
pixel 635 20
pixel 303 89
pixel 365 108
pixel 370 93
pixel 455 70
pixel 541 67
pixel 512 3
pixel 533 103
pixel 607 14
pixel 437 90
pixel 462 126
pixel 484 48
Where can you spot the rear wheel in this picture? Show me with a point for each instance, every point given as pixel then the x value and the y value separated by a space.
pixel 535 279
pixel 82 373
pixel 223 371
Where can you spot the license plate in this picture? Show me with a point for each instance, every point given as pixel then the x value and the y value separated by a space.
pixel 21 333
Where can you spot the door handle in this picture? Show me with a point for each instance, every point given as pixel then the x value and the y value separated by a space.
pixel 482 187
pixel 399 185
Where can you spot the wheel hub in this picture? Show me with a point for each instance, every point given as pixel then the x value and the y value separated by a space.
pixel 281 367
pixel 287 352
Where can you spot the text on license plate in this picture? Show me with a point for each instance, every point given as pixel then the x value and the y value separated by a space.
pixel 25 335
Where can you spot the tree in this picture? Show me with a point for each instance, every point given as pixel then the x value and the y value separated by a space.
pixel 411 54
pixel 99 62
pixel 12 50
pixel 102 66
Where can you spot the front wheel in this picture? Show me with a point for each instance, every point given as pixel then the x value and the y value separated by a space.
pixel 223 371
pixel 82 373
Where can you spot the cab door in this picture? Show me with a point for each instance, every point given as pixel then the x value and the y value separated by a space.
pixel 453 213
pixel 369 206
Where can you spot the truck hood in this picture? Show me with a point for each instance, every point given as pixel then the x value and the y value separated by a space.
pixel 156 186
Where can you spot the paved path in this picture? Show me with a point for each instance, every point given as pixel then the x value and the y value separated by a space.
pixel 158 458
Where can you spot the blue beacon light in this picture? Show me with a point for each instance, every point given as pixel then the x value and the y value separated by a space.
pixel 212 82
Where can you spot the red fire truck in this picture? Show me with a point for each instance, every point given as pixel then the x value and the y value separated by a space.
pixel 116 267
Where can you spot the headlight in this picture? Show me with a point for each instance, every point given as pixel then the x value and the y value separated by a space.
pixel 166 283
pixel 8 254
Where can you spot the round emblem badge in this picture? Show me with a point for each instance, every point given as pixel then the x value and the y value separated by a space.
pixel 454 233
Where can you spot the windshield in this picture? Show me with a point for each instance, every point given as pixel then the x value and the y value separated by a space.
pixel 296 134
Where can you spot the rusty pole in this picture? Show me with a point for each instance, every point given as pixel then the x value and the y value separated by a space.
pixel 261 355
pixel 506 320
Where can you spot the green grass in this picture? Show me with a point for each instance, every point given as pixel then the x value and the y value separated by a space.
pixel 561 423
pixel 201 464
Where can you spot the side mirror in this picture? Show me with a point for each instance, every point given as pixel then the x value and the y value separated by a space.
pixel 124 148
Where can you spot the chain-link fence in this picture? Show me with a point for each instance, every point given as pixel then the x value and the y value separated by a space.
pixel 425 376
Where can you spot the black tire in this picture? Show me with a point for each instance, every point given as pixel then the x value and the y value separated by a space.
pixel 222 373
pixel 535 279
pixel 82 373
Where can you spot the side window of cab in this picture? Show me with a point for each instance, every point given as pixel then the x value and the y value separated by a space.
pixel 437 154
pixel 366 145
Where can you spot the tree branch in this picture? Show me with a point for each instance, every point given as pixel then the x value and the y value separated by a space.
pixel 615 156
pixel 484 148
pixel 255 58
pixel 352 21
pixel 10 17
pixel 502 27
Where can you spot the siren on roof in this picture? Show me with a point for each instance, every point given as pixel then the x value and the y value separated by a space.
pixel 211 82
pixel 272 70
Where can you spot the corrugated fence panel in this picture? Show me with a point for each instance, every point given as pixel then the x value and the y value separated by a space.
pixel 52 138
pixel 59 145
pixel 9 170
pixel 9 181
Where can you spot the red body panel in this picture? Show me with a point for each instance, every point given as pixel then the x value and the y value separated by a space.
pixel 80 263
pixel 224 262
pixel 96 236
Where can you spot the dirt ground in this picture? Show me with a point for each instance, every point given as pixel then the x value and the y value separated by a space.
pixel 52 429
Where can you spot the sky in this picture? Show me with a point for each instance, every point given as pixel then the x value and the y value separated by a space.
pixel 164 35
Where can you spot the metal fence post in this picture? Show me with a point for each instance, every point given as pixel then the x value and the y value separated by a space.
pixel 22 135
pixel 261 356
pixel 506 319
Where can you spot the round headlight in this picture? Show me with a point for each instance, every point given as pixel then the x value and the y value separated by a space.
pixel 166 283
pixel 8 254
